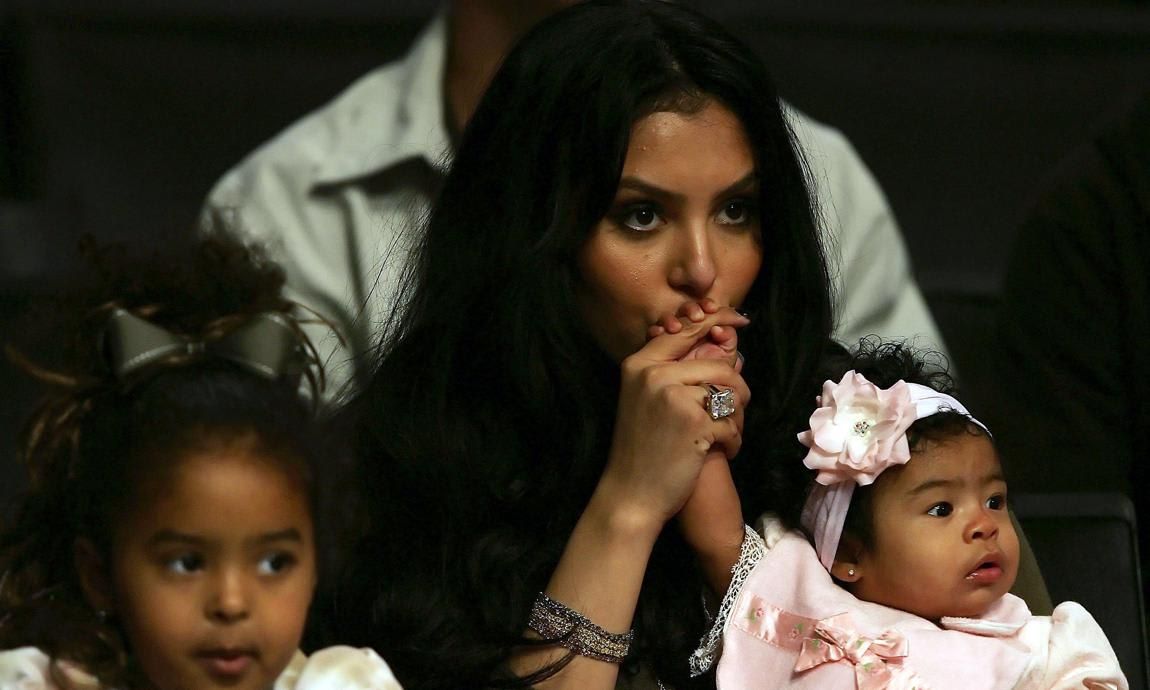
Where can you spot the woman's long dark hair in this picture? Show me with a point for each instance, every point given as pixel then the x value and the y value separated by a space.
pixel 488 419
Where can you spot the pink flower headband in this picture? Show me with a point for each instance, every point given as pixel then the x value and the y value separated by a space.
pixel 858 431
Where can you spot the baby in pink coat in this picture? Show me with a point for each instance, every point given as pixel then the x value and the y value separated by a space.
pixel 914 553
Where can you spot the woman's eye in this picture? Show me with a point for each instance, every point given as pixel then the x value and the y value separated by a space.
pixel 641 218
pixel 185 564
pixel 939 510
pixel 735 212
pixel 996 502
pixel 275 563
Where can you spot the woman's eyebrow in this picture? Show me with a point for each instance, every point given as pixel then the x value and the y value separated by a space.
pixel 638 185
pixel 749 180
pixel 634 183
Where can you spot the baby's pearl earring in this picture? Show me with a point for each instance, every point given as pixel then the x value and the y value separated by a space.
pixel 850 572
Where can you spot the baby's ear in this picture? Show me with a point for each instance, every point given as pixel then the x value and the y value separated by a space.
pixel 847 566
pixel 92 571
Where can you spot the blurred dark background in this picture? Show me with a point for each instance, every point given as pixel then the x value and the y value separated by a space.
pixel 116 116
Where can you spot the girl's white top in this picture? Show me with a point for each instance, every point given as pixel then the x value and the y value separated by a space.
pixel 334 668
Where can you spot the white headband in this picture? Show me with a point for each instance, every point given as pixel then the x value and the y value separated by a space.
pixel 858 431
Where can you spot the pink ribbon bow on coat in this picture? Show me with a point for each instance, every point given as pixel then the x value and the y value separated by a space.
pixel 835 638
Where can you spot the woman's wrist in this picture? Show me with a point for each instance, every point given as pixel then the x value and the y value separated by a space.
pixel 617 517
pixel 597 580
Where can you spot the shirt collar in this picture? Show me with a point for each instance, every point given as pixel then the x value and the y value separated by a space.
pixel 391 120
pixel 1005 618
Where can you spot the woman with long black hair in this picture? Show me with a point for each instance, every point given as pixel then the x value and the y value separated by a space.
pixel 557 480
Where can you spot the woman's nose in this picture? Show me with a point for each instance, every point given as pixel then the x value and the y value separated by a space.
pixel 229 601
pixel 694 268
pixel 982 525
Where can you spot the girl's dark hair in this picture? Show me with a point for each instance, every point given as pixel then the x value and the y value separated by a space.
pixel 95 436
pixel 487 422
pixel 884 364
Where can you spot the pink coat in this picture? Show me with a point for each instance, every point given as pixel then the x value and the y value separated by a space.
pixel 792 627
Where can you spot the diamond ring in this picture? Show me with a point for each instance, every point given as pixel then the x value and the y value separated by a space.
pixel 720 402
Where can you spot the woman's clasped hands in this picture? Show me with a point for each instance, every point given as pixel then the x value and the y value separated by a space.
pixel 711 520
pixel 666 439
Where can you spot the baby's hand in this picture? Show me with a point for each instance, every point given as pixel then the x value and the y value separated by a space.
pixel 721 342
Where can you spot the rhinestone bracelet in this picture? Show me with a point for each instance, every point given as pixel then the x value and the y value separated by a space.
pixel 568 628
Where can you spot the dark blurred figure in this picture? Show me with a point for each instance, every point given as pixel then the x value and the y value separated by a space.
pixel 1074 324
